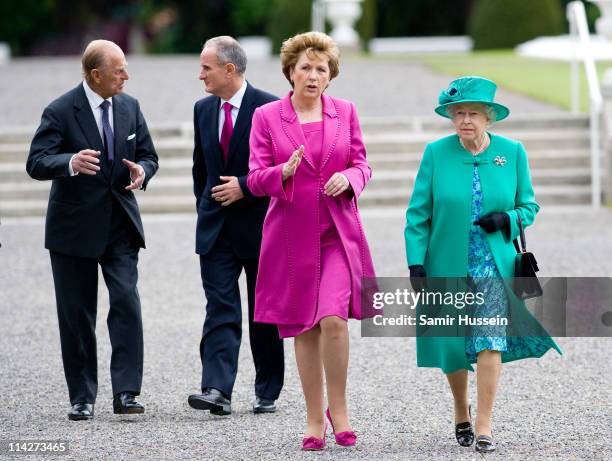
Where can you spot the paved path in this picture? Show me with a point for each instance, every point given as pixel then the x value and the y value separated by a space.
pixel 167 87
pixel 556 407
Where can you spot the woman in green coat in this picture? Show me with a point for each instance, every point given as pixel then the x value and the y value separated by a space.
pixel 470 192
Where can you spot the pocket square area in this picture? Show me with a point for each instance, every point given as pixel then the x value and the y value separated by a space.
pixel 132 136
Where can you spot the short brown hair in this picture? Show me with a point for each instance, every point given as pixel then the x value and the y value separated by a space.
pixel 317 43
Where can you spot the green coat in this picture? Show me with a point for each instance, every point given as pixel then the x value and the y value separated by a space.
pixel 438 224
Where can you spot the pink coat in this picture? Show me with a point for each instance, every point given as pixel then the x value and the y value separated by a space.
pixel 288 279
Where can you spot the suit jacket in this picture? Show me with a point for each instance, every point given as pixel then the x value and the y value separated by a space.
pixel 289 267
pixel 242 221
pixel 80 207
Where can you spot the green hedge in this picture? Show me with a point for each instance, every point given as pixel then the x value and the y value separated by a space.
pixel 418 18
pixel 23 22
pixel 497 24
pixel 287 18
pixel 366 25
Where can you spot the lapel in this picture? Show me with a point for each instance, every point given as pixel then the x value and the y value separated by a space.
pixel 121 126
pixel 213 131
pixel 331 128
pixel 87 122
pixel 292 128
pixel 243 121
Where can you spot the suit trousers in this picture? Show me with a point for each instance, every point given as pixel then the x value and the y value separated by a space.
pixel 76 287
pixel 222 332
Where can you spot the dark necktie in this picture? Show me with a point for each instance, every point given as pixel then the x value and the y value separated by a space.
pixel 228 129
pixel 109 140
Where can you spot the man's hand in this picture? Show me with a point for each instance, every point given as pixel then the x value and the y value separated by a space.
pixel 229 192
pixel 290 167
pixel 137 174
pixel 86 162
pixel 337 184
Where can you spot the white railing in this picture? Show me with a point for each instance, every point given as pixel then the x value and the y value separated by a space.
pixel 579 29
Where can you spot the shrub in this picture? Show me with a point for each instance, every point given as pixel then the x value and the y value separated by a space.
pixel 287 18
pixel 366 25
pixel 496 24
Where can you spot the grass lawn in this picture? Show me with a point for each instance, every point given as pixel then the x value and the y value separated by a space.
pixel 546 80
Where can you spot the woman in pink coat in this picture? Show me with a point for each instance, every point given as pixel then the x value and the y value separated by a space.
pixel 307 154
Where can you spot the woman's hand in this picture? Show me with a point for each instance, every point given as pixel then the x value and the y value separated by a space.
pixel 494 221
pixel 290 167
pixel 418 277
pixel 337 184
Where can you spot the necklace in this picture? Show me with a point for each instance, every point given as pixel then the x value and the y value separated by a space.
pixel 484 143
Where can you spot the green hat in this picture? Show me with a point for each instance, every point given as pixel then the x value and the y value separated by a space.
pixel 470 90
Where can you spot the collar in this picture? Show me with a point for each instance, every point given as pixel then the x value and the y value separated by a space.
pixel 483 157
pixel 288 112
pixel 236 100
pixel 94 98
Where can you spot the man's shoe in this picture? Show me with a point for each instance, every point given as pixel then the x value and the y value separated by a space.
pixel 262 405
pixel 124 403
pixel 213 400
pixel 81 412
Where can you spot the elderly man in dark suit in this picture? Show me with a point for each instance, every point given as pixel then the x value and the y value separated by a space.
pixel 228 235
pixel 93 143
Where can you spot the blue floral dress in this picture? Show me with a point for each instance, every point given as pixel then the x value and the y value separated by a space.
pixel 486 279
pixel 532 341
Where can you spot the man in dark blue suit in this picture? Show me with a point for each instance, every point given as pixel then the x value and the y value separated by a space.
pixel 93 143
pixel 228 234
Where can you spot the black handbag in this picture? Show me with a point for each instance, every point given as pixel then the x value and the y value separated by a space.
pixel 526 284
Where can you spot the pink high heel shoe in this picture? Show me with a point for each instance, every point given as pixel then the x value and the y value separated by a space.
pixel 346 438
pixel 312 443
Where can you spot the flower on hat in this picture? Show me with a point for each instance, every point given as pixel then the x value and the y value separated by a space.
pixel 449 95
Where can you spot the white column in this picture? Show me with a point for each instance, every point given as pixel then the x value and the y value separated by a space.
pixel 5 53
pixel 317 19
pixel 343 14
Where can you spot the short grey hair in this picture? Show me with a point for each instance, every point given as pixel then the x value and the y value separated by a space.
pixel 96 56
pixel 488 110
pixel 228 50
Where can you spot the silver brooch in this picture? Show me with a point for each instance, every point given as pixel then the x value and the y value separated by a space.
pixel 500 160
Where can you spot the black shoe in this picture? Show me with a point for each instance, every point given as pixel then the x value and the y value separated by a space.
pixel 464 432
pixel 262 405
pixel 211 399
pixel 81 412
pixel 124 403
pixel 484 444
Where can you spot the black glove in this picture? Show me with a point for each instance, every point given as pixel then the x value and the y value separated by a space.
pixel 494 221
pixel 417 277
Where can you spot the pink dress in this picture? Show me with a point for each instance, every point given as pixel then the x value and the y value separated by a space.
pixel 335 286
pixel 289 278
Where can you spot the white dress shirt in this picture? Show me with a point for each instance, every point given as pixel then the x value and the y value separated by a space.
pixel 235 101
pixel 95 100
